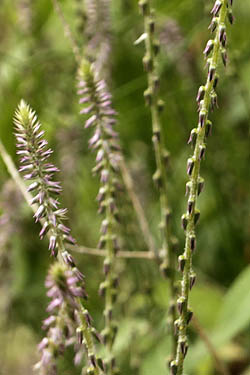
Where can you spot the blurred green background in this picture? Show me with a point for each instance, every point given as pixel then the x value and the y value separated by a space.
pixel 36 63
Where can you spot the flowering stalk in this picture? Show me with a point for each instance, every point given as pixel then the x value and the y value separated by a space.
pixel 98 34
pixel 34 153
pixel 97 105
pixel 206 98
pixel 161 155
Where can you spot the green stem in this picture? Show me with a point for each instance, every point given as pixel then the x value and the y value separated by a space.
pixel 194 190
pixel 161 156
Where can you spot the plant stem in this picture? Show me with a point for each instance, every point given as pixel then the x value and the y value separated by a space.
pixel 206 97
pixel 161 158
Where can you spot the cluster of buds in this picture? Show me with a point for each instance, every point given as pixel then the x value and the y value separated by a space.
pixel 65 281
pixel 98 34
pixel 101 117
pixel 206 99
pixel 67 321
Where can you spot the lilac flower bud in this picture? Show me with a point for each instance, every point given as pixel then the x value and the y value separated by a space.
pixel 190 166
pixel 209 47
pixel 216 8
pixel 193 136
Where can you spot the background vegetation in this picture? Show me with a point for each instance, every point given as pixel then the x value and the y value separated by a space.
pixel 36 63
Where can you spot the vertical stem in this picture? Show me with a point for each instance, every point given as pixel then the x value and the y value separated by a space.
pixel 161 157
pixel 206 97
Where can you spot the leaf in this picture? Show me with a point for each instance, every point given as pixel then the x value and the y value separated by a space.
pixel 233 318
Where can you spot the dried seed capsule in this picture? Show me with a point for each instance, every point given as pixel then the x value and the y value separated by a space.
pixel 202 149
pixel 230 16
pixel 156 47
pixel 160 105
pixel 151 26
pixel 211 73
pixel 184 221
pixel 143 4
pixel 216 80
pixel 192 280
pixel 148 96
pixel 188 187
pixel 157 178
pixel 224 56
pixel 173 368
pixel 202 118
pixel 189 316
pixel 222 32
pixel 182 262
pixel 201 183
pixel 208 128
pixel 181 301
pixel 184 346
pixel 192 242
pixel 190 206
pixel 148 63
pixel 196 216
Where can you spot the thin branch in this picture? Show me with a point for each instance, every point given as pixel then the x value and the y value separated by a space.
pixel 121 254
pixel 220 366
pixel 15 174
pixel 128 181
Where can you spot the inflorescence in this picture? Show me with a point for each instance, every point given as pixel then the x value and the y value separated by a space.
pixel 68 319
pixel 101 117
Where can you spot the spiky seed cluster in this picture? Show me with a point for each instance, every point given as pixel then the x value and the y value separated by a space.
pixel 67 320
pixel 152 98
pixel 101 117
pixel 34 155
pixel 98 34
pixel 206 99
pixel 67 286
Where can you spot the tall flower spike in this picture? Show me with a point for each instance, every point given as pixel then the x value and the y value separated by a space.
pixel 34 154
pixel 206 99
pixel 168 258
pixel 101 117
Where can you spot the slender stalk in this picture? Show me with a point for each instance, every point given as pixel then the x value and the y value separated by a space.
pixel 129 183
pixel 161 157
pixel 206 98
pixel 15 174
pixel 120 254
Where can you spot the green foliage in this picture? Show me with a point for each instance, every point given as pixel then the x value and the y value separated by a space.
pixel 36 63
